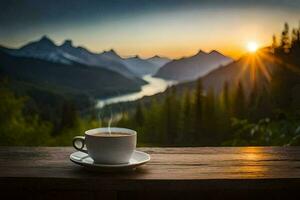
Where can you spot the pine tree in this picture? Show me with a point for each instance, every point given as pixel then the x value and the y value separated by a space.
pixel 209 134
pixel 295 43
pixel 198 121
pixel 274 44
pixel 152 130
pixel 239 101
pixel 139 114
pixel 253 100
pixel 285 44
pixel 186 129
pixel 69 115
pixel 225 96
pixel 171 116
pixel 294 36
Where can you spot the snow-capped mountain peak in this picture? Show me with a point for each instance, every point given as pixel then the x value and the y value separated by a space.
pixel 67 53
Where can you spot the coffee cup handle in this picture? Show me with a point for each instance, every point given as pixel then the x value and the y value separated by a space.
pixel 78 143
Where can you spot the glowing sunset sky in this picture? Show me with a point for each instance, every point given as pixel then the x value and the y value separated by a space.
pixel 170 28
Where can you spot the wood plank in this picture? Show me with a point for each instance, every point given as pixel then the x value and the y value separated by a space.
pixel 180 169
pixel 166 163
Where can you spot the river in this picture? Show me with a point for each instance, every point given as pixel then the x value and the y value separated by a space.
pixel 154 86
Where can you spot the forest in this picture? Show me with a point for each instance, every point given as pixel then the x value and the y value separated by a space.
pixel 264 111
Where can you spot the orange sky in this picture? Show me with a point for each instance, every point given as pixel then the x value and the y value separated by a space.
pixel 172 33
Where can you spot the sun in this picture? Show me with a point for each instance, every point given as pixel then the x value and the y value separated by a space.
pixel 252 47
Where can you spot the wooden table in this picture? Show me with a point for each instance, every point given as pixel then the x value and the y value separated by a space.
pixel 172 173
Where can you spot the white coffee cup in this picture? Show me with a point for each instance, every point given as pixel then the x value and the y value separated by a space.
pixel 109 148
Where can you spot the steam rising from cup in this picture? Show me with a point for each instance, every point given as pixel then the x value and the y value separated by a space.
pixel 109 121
pixel 114 115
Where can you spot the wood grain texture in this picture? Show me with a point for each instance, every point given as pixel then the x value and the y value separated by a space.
pixel 205 170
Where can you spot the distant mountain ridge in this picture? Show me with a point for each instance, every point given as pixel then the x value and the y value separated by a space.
pixel 158 61
pixel 249 69
pixel 144 66
pixel 75 78
pixel 191 68
pixel 66 53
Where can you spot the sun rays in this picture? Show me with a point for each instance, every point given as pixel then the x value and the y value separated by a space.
pixel 255 68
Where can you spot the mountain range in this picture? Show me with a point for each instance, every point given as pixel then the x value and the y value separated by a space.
pixel 191 68
pixel 68 54
pixel 250 70
pixel 61 78
pixel 68 68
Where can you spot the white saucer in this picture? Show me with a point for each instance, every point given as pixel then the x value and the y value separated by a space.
pixel 138 158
